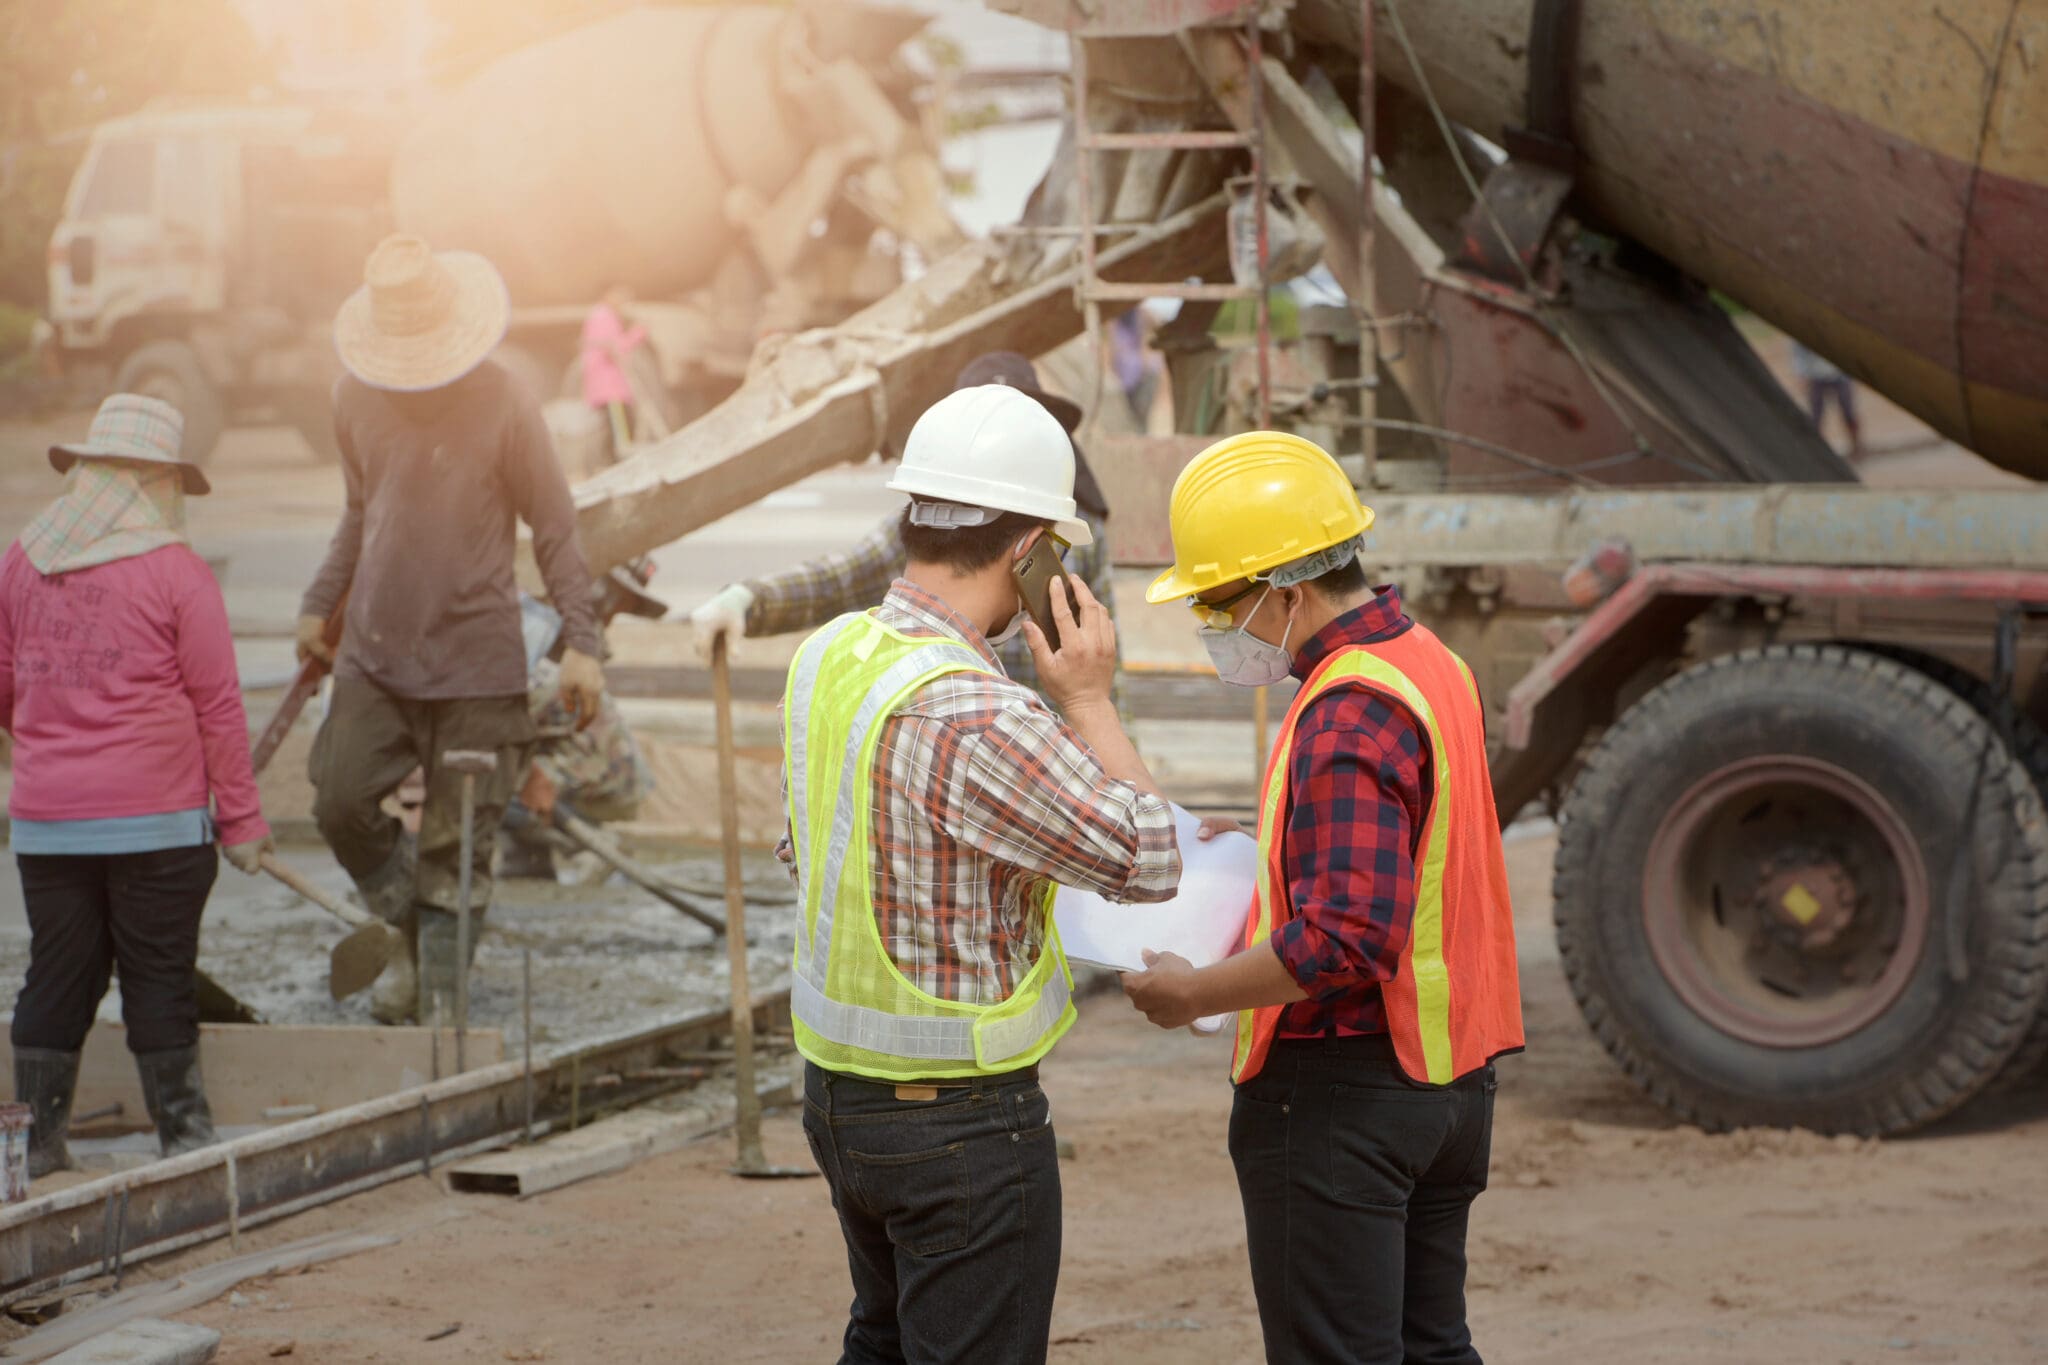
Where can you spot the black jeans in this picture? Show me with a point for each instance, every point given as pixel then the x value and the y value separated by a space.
pixel 1357 1187
pixel 88 912
pixel 950 1208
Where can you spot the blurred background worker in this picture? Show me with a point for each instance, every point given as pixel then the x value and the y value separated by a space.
pixel 118 683
pixel 812 593
pixel 1378 980
pixel 928 981
pixel 443 454
pixel 1825 383
pixel 608 344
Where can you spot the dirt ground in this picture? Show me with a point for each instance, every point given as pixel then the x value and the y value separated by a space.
pixel 1609 1234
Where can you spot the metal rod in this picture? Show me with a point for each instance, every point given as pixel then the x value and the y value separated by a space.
pixel 426 1138
pixel 1256 41
pixel 464 883
pixel 234 1206
pixel 1084 205
pixel 747 1118
pixel 1366 305
pixel 1159 142
pixel 1261 737
pixel 1194 293
pixel 526 1034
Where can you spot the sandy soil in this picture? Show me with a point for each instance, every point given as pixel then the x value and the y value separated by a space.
pixel 1609 1235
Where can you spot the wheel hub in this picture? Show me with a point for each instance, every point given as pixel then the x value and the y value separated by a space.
pixel 1810 897
pixel 1785 901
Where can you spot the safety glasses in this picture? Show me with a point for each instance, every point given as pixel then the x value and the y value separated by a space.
pixel 1217 615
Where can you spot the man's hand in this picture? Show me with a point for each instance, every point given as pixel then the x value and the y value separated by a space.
pixel 1214 825
pixel 1082 672
pixel 247 858
pixel 725 614
pixel 582 685
pixel 1165 991
pixel 537 794
pixel 312 642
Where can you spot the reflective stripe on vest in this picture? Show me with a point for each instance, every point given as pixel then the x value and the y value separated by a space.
pixel 853 1009
pixel 1454 1001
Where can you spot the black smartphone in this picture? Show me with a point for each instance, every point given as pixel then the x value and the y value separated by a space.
pixel 1035 573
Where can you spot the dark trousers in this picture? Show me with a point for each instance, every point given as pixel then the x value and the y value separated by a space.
pixel 368 744
pixel 1357 1186
pixel 89 912
pixel 950 1208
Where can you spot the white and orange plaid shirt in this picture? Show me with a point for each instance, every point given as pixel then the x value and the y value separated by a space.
pixel 979 798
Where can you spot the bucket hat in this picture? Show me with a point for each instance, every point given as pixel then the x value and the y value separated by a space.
pixel 423 318
pixel 129 426
pixel 1013 370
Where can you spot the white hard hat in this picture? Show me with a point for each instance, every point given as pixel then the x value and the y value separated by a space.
pixel 991 449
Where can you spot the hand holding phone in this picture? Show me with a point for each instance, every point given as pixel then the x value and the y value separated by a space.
pixel 1082 671
pixel 1035 574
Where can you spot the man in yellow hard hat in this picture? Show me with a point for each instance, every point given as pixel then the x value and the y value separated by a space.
pixel 933 805
pixel 1377 981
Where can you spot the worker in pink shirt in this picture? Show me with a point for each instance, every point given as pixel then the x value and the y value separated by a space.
pixel 131 761
pixel 607 341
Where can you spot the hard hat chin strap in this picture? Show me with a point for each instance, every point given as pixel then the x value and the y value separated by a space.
pixel 946 516
pixel 1316 565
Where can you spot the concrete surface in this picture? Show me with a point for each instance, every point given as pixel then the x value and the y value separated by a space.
pixel 147 1341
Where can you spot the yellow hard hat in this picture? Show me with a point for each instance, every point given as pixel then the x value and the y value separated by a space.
pixel 1252 503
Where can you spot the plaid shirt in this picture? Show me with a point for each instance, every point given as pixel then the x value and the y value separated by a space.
pixel 980 798
pixel 1359 790
pixel 812 593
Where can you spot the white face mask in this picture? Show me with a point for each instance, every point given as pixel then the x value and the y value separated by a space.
pixel 1009 632
pixel 1244 660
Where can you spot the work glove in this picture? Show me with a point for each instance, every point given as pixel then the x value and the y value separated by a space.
pixel 247 858
pixel 582 685
pixel 725 614
pixel 313 640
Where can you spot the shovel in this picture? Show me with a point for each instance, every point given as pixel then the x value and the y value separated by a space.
pixel 752 1161
pixel 357 960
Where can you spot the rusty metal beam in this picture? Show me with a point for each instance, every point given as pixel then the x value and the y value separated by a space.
pixel 181 1201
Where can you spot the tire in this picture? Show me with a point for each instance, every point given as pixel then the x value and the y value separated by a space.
pixel 2029 744
pixel 170 370
pixel 1804 768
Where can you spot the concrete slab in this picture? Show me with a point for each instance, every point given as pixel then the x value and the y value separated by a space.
pixel 147 1341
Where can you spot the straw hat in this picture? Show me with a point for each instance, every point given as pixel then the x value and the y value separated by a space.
pixel 423 318
pixel 129 426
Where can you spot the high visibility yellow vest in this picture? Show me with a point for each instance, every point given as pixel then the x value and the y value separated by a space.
pixel 852 1009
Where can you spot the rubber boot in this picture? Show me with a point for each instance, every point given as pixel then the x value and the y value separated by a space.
pixel 437 966
pixel 395 999
pixel 388 892
pixel 44 1080
pixel 175 1095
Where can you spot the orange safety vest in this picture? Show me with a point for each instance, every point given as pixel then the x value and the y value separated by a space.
pixel 1454 1002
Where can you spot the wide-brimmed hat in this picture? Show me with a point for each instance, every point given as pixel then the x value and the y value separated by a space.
pixel 1015 371
pixel 129 426
pixel 423 318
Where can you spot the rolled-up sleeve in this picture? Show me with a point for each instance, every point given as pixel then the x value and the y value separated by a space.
pixel 1357 799
pixel 1027 791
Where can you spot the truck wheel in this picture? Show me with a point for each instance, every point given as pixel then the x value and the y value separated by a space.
pixel 1756 894
pixel 2029 744
pixel 170 370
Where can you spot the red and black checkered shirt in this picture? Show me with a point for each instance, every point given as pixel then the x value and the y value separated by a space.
pixel 1359 790
pixel 980 797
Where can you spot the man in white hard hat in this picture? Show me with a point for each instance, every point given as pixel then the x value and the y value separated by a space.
pixel 933 806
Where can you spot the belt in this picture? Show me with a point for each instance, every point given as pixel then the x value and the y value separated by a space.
pixel 928 1089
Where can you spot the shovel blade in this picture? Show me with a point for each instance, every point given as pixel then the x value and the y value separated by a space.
pixel 358 960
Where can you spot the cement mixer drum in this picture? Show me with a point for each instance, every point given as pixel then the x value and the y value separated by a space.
pixel 605 156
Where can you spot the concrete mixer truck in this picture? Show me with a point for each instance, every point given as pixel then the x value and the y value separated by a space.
pixel 1789 725
pixel 741 170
